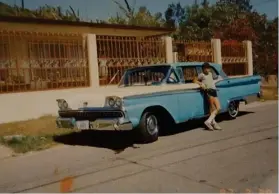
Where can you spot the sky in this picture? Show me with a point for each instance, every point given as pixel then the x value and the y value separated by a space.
pixel 103 9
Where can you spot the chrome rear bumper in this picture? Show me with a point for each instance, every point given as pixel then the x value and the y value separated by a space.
pixel 253 98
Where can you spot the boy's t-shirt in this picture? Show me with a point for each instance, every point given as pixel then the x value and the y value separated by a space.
pixel 207 80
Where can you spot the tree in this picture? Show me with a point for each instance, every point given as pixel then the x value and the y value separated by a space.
pixel 195 23
pixel 132 16
pixel 243 5
pixel 46 11
pixel 205 3
pixel 174 15
pixel 230 20
pixel 222 20
pixel 143 17
pixel 239 29
pixel 265 48
pixel 118 19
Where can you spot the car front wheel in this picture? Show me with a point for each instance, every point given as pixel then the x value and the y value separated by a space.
pixel 148 129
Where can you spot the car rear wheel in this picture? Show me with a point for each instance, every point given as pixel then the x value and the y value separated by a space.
pixel 148 129
pixel 233 109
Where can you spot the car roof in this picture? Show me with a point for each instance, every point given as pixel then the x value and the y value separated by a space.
pixel 150 65
pixel 178 64
pixel 196 63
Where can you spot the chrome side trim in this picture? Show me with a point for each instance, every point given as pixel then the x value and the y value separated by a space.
pixel 163 93
pixel 246 99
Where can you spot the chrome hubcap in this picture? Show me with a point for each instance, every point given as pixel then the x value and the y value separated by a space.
pixel 233 109
pixel 152 124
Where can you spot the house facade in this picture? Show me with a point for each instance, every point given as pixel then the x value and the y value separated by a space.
pixel 44 60
pixel 39 54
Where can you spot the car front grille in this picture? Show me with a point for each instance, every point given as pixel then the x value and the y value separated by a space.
pixel 90 115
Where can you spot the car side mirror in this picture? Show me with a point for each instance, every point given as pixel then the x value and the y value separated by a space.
pixel 171 81
pixel 219 77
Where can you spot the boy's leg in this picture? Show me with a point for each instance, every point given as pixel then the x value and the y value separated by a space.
pixel 217 108
pixel 208 122
pixel 212 108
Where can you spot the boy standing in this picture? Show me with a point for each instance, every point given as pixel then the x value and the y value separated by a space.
pixel 205 80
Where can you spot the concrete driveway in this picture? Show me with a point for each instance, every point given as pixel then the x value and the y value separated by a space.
pixel 241 158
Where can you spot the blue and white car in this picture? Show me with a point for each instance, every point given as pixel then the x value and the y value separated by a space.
pixel 151 98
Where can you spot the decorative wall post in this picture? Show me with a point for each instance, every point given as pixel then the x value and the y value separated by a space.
pixel 249 55
pixel 93 60
pixel 168 48
pixel 175 57
pixel 216 49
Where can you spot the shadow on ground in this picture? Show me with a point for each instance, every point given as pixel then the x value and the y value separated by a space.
pixel 120 140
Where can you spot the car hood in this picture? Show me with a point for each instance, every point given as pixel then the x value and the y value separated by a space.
pixel 97 98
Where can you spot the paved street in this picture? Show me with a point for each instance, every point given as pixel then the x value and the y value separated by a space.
pixel 241 157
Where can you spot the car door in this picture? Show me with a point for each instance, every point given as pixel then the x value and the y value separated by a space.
pixel 191 101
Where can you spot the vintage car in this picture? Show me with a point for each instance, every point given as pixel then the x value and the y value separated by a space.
pixel 151 98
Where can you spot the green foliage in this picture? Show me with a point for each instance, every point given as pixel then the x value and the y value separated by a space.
pixel 229 20
pixel 174 14
pixel 243 5
pixel 46 12
pixel 226 19
pixel 28 143
pixel 131 16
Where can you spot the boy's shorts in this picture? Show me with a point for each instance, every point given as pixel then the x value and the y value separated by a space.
pixel 211 92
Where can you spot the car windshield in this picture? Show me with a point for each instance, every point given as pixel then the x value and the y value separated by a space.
pixel 147 75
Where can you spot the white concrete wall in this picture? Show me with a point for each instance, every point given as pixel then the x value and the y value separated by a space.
pixel 168 48
pixel 216 47
pixel 249 55
pixel 30 105
pixel 175 57
pixel 93 60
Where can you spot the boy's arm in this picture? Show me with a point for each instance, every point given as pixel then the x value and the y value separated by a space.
pixel 196 81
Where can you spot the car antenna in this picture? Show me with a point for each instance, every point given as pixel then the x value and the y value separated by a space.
pixel 113 77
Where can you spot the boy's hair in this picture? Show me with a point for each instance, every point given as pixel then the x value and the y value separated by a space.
pixel 205 65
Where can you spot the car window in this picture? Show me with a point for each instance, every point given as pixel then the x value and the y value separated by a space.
pixel 189 74
pixel 172 78
pixel 214 73
pixel 180 73
pixel 141 76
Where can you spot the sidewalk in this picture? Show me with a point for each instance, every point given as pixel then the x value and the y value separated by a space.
pixel 5 152
pixel 51 165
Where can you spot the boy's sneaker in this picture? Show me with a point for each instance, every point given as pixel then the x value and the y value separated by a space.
pixel 216 126
pixel 209 126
